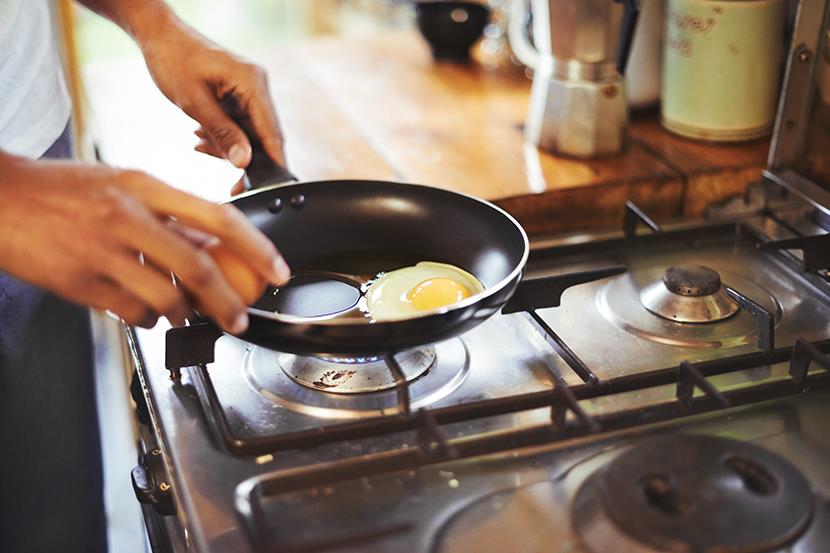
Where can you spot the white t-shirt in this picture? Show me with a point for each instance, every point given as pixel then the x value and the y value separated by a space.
pixel 34 103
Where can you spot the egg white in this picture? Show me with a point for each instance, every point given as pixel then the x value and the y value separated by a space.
pixel 386 297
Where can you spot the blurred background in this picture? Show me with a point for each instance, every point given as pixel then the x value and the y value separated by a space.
pixel 112 92
pixel 245 25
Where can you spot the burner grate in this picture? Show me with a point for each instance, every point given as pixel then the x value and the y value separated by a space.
pixel 764 319
pixel 179 347
pixel 547 292
pixel 568 397
pixel 562 399
pixel 264 487
pixel 633 217
pixel 689 378
pixel 193 346
pixel 815 249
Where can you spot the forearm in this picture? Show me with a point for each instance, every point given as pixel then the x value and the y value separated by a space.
pixel 10 166
pixel 141 19
pixel 196 75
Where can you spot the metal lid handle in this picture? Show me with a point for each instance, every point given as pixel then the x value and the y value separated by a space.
pixel 629 26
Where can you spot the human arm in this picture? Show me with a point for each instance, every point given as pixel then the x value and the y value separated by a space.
pixel 196 75
pixel 78 230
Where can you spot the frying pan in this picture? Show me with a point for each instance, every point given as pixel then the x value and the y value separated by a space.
pixel 331 231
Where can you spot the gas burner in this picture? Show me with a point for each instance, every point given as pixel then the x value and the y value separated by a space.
pixel 336 387
pixel 354 375
pixel 681 493
pixel 693 493
pixel 684 306
pixel 531 517
pixel 689 294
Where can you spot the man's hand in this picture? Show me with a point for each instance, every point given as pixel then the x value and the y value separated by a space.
pixel 195 74
pixel 79 231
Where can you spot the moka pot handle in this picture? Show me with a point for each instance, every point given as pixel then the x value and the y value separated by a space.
pixel 518 36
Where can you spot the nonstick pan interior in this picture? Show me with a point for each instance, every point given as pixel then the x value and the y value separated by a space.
pixel 351 226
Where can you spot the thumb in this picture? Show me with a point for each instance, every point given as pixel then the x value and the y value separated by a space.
pixel 222 130
pixel 239 187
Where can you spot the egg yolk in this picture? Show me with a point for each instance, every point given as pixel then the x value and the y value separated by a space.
pixel 437 292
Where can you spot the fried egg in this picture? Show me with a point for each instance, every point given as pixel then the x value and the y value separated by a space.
pixel 410 291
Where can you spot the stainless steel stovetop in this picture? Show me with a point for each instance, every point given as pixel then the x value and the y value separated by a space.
pixel 257 461
pixel 680 405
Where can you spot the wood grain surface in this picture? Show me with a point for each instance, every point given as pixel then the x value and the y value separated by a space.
pixel 380 108
pixel 712 173
pixel 816 159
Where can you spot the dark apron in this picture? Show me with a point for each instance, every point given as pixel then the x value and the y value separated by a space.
pixel 51 487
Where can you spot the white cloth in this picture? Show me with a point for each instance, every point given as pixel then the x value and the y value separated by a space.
pixel 34 103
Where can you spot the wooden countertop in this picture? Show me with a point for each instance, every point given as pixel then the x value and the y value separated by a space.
pixel 380 108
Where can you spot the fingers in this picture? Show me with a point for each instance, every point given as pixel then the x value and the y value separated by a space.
pixel 264 118
pixel 221 130
pixel 239 187
pixel 210 149
pixel 206 146
pixel 105 295
pixel 253 98
pixel 152 288
pixel 196 237
pixel 198 272
pixel 221 220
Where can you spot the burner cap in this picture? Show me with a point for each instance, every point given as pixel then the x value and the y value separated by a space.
pixel 363 389
pixel 695 493
pixel 691 280
pixel 625 302
pixel 689 294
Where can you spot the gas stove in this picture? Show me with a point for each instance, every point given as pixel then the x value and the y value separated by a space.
pixel 529 417
pixel 672 398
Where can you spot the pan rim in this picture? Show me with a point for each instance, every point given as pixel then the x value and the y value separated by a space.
pixel 331 320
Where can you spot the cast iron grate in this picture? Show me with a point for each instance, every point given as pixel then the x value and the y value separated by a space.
pixel 193 346
pixel 815 250
pixel 198 352
pixel 687 377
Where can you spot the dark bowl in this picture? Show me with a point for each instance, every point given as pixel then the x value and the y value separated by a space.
pixel 451 28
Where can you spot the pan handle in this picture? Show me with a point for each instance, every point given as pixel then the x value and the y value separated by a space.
pixel 544 292
pixel 262 171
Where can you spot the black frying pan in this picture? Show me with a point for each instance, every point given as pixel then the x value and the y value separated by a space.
pixel 362 228
pixel 328 229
